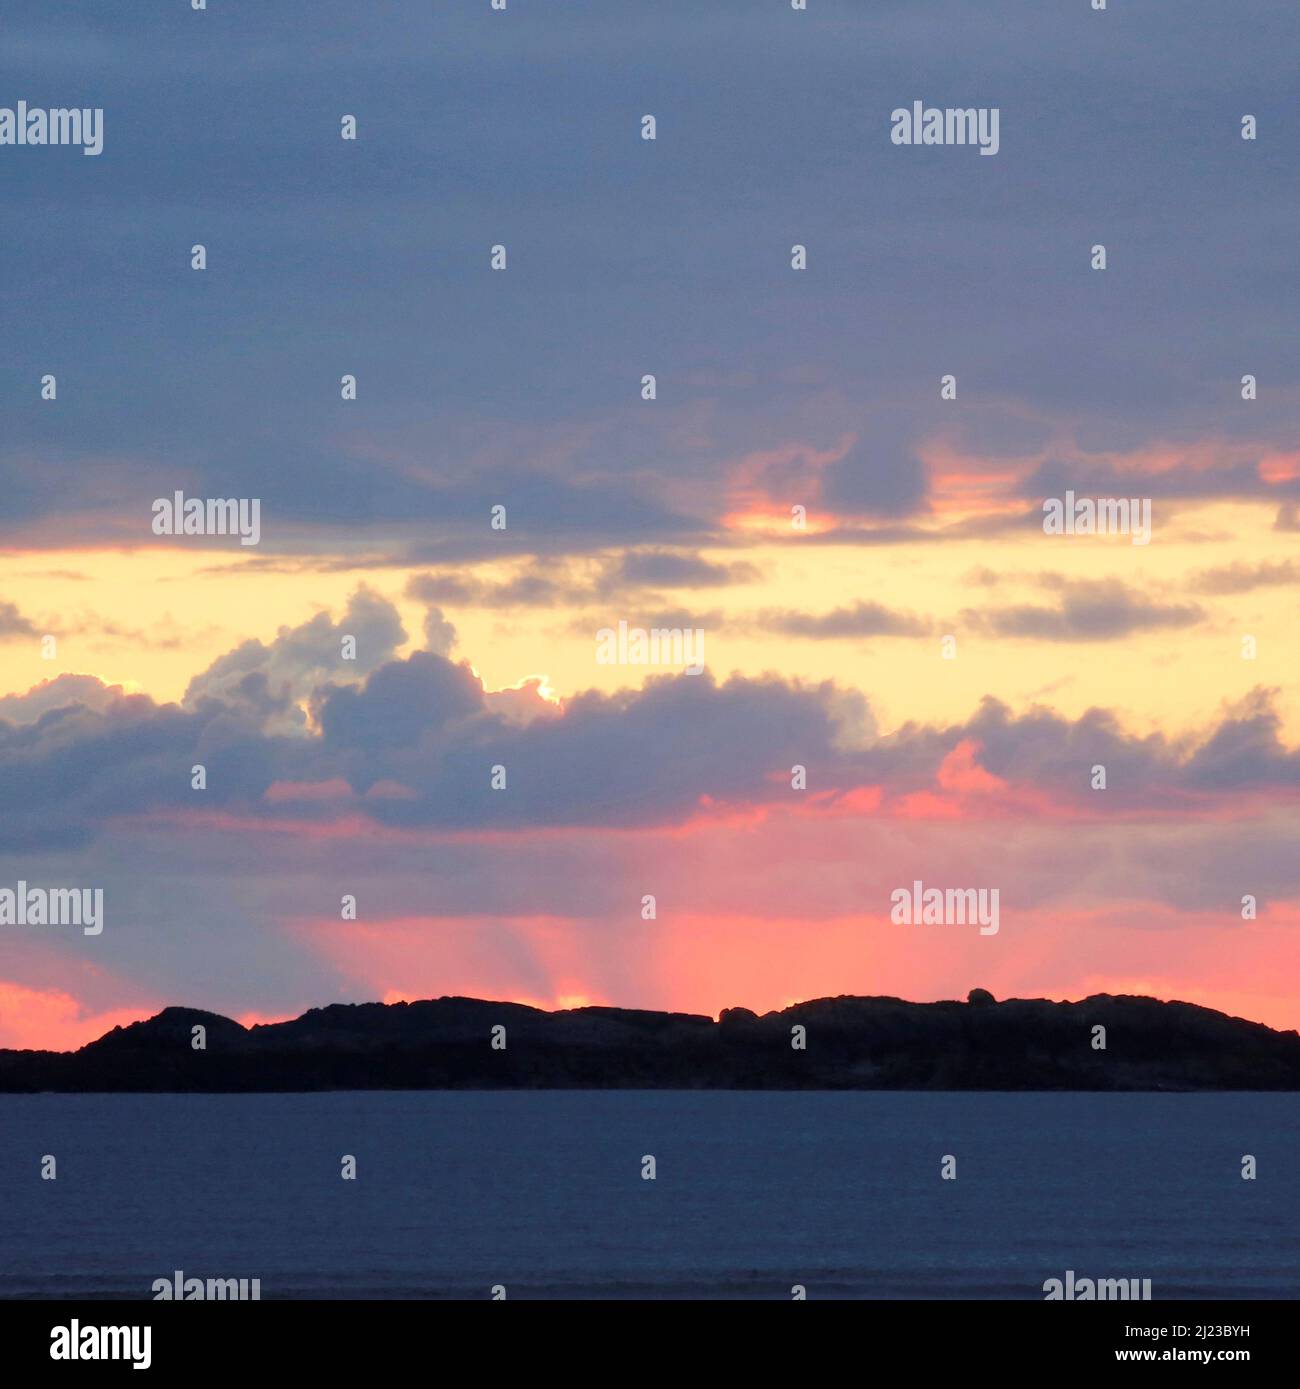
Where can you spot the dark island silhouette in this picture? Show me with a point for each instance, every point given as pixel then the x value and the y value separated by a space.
pixel 848 1044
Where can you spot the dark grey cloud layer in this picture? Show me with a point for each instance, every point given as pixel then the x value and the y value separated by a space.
pixel 628 257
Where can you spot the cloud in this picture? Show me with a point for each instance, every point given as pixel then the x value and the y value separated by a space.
pixel 271 682
pixel 672 569
pixel 757 355
pixel 412 744
pixel 529 588
pixel 1242 578
pixel 69 692
pixel 880 475
pixel 633 574
pixel 1245 749
pixel 402 708
pixel 439 634
pixel 1088 610
pixel 859 620
pixel 423 725
pixel 1153 474
pixel 13 624
pixel 53 1020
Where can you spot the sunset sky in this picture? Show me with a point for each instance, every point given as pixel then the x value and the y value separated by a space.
pixel 776 388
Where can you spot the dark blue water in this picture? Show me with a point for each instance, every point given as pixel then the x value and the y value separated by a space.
pixel 755 1192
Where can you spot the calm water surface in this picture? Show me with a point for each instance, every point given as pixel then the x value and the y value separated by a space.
pixel 542 1192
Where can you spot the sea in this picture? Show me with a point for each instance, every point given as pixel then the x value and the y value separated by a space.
pixel 650 1194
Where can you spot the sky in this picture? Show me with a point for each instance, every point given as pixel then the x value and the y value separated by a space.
pixel 863 551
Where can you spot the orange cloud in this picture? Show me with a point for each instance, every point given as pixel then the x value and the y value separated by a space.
pixel 52 1020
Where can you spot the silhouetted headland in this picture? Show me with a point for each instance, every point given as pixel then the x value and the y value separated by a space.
pixel 846 1044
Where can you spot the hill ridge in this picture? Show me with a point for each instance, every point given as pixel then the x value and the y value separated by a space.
pixel 845 1041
